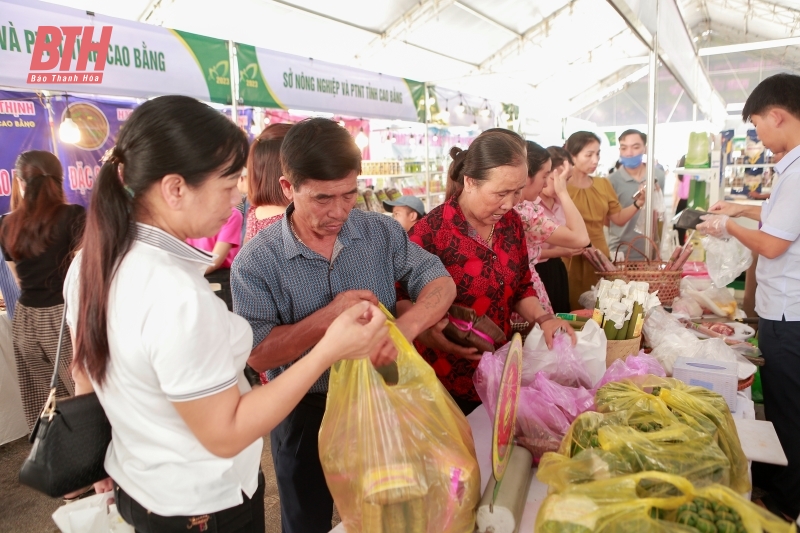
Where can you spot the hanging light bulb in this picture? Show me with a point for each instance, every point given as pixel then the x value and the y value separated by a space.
pixel 474 124
pixel 435 137
pixel 341 123
pixel 362 141
pixel 460 108
pixel 68 131
pixel 505 117
pixel 394 139
pixel 254 127
pixel 486 112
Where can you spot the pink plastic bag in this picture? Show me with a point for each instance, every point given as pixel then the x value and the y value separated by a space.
pixel 633 365
pixel 546 407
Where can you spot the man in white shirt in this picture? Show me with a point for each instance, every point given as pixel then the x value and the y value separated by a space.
pixel 774 109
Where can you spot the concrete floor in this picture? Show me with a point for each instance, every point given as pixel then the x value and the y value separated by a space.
pixel 23 510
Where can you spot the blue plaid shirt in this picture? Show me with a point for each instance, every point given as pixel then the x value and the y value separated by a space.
pixel 9 287
pixel 277 281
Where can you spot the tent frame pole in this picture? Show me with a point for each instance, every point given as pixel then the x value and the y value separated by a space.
pixel 427 151
pixel 652 118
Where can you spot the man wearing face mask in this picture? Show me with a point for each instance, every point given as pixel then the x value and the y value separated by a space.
pixel 627 181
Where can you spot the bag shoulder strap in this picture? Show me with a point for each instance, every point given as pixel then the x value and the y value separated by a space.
pixel 54 380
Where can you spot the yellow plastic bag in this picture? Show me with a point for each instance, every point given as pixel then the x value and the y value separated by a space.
pixel 697 407
pixel 652 502
pixel 398 458
pixel 605 446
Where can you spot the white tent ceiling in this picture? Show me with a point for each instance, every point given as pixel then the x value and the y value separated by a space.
pixel 552 57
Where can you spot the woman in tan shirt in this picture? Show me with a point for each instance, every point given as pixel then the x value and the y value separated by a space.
pixel 597 201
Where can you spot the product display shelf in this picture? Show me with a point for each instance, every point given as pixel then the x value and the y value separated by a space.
pixel 712 176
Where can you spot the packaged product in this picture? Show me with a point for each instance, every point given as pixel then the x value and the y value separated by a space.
pixel 397 457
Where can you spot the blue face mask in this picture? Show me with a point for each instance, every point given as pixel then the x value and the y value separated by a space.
pixel 631 162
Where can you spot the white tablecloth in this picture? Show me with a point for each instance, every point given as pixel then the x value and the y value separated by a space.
pixel 12 418
pixel 482 433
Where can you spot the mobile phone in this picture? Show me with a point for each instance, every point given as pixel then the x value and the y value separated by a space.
pixel 639 192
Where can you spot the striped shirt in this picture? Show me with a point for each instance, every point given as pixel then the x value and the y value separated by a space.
pixel 276 280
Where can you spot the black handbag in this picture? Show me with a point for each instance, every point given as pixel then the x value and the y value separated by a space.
pixel 70 440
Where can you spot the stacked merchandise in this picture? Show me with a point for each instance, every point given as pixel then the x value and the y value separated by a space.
pixel 372 200
pixel 664 460
pixel 381 168
pixel 620 308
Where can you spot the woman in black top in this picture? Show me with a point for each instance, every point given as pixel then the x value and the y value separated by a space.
pixel 38 241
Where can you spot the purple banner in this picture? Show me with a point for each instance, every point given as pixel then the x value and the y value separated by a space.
pixel 99 121
pixel 24 125
pixel 245 120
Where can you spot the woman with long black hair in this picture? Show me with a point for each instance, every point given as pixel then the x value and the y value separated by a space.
pixel 162 352
pixel 38 241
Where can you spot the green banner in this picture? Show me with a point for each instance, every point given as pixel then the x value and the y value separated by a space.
pixel 253 88
pixel 213 60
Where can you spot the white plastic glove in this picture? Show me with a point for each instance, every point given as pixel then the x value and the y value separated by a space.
pixel 714 226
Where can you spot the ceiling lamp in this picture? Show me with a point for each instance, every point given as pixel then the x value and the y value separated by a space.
pixel 254 127
pixel 362 141
pixel 68 131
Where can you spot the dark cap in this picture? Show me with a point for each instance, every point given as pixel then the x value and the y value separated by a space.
pixel 406 201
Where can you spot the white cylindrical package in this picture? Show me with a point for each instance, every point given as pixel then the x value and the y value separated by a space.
pixel 652 301
pixel 615 294
pixel 628 302
pixel 616 313
pixel 603 287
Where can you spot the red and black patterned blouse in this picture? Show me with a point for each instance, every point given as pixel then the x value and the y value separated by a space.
pixel 489 280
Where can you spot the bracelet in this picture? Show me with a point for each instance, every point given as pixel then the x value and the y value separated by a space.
pixel 637 206
pixel 545 318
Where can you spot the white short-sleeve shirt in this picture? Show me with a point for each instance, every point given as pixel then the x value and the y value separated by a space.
pixel 171 339
pixel 778 293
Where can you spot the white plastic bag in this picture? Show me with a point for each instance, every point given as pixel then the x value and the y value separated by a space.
pixel 726 259
pixel 588 298
pixel 591 349
pixel 670 340
pixel 91 515
pixel 658 207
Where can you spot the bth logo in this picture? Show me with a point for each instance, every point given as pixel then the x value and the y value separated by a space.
pixel 47 54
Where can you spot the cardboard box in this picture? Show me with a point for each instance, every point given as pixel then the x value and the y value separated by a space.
pixel 720 377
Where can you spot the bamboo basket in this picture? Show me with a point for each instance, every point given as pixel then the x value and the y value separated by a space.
pixel 622 349
pixel 666 282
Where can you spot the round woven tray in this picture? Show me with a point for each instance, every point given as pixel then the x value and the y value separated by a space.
pixel 744 383
pixel 666 282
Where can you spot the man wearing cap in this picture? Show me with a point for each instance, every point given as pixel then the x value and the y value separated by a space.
pixel 407 210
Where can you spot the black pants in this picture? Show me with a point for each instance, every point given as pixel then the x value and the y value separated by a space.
pixel 553 274
pixel 223 277
pixel 306 502
pixel 780 377
pixel 682 204
pixel 245 518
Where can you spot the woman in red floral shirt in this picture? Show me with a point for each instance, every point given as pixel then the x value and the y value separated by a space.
pixel 480 239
